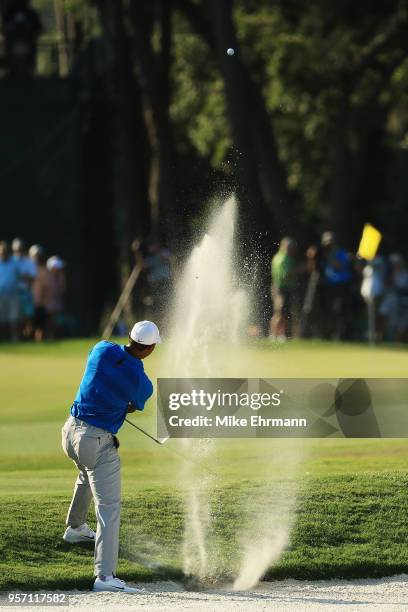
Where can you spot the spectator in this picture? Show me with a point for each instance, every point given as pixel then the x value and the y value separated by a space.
pixel 394 306
pixel 42 293
pixel 158 265
pixel 284 275
pixel 28 272
pixel 372 290
pixel 9 299
pixel 55 307
pixel 335 287
pixel 311 313
pixel 138 297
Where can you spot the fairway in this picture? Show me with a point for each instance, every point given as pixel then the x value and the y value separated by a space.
pixel 351 516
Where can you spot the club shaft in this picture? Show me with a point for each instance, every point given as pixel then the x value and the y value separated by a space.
pixel 172 450
pixel 143 432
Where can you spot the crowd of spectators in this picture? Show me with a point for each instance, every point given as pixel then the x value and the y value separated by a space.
pixel 333 294
pixel 326 293
pixel 32 290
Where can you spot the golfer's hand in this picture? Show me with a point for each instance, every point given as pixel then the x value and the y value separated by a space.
pixel 130 408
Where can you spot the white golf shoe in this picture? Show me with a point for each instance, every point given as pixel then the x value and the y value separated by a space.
pixel 83 533
pixel 113 585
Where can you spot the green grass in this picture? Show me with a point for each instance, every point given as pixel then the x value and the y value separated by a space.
pixel 351 516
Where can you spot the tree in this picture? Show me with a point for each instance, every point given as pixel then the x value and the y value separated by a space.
pixel 261 180
pixel 130 153
pixel 151 44
pixel 327 73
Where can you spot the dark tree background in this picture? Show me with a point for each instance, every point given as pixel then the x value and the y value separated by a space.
pixel 307 122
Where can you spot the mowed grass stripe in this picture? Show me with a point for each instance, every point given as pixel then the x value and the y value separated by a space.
pixel 351 517
pixel 346 526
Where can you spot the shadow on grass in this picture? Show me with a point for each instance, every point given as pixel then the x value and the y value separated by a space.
pixel 81 583
pixel 346 527
pixel 344 571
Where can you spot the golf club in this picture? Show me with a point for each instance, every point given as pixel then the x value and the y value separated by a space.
pixel 161 443
pixel 147 434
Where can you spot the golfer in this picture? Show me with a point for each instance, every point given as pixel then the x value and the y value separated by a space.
pixel 114 383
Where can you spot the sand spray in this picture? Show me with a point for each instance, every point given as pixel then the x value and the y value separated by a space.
pixel 208 318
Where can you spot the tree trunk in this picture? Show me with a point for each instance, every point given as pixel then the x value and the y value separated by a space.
pixel 263 175
pixel 253 215
pixel 129 135
pixel 352 183
pixel 154 76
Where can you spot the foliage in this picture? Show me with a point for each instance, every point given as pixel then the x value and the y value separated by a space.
pixel 333 79
pixel 198 104
pixel 310 59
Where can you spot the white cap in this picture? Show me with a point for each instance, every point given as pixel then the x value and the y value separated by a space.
pixel 17 245
pixel 55 263
pixel 145 332
pixel 34 250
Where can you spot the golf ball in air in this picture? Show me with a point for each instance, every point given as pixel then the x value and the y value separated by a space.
pixel 230 51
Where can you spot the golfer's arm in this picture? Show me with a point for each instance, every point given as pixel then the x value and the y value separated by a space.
pixel 140 398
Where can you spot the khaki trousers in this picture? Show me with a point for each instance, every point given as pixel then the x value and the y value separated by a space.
pixel 94 453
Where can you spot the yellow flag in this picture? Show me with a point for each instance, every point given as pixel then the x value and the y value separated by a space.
pixel 369 242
